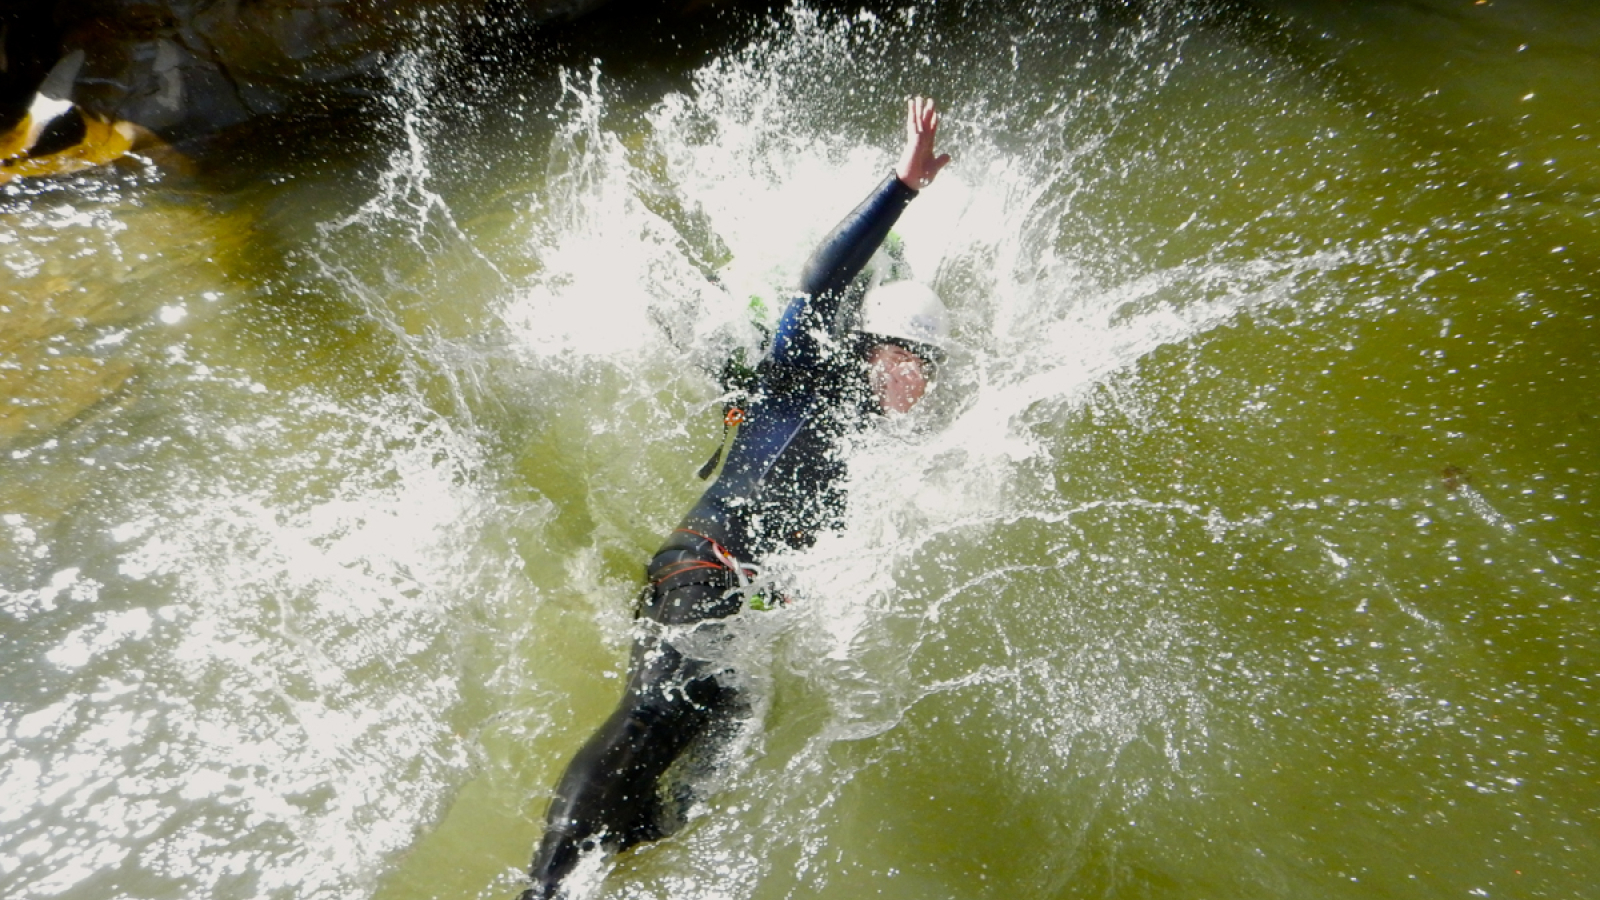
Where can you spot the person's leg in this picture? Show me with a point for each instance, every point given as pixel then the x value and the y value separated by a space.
pixel 609 799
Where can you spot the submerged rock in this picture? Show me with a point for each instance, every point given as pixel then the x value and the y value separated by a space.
pixel 41 387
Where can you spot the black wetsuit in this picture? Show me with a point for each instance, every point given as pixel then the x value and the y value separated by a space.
pixel 778 487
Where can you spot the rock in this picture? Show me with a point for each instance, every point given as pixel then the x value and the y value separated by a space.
pixel 183 69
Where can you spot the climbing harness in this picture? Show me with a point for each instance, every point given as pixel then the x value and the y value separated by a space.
pixel 741 579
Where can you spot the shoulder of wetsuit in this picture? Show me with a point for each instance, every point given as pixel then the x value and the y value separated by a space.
pixel 738 377
pixel 775 378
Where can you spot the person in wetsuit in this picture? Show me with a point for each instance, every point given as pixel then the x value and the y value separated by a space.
pixel 830 366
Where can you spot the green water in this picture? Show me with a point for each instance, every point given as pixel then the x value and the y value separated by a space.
pixel 1247 550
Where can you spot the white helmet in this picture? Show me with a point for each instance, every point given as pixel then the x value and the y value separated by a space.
pixel 909 312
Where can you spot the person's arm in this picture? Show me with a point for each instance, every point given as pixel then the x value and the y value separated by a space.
pixel 845 251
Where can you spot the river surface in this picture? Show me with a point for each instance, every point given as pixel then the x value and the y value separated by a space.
pixel 1249 547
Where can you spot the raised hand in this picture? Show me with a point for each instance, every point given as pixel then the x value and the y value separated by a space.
pixel 918 166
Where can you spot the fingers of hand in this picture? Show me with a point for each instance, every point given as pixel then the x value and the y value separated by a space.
pixel 918 164
pixel 921 115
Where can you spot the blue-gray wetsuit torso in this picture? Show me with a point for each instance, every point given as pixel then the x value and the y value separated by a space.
pixel 778 487
pixel 780 482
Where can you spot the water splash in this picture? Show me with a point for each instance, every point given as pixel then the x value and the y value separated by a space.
pixel 1163 589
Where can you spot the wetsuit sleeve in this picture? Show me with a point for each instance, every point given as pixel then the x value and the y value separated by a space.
pixel 825 282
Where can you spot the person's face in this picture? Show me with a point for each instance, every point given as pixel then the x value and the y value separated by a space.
pixel 899 377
